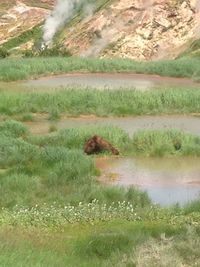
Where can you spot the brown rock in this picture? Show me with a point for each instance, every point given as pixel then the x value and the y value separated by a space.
pixel 97 144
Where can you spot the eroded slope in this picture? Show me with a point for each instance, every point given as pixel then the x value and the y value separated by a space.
pixel 137 29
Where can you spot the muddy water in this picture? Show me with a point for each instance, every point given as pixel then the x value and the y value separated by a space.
pixel 131 125
pixel 167 181
pixel 112 81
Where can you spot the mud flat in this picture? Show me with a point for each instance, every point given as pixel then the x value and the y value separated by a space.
pixel 111 81
pixel 167 181
pixel 187 123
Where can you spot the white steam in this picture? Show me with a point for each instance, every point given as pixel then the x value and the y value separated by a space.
pixel 106 37
pixel 198 11
pixel 63 12
pixel 198 5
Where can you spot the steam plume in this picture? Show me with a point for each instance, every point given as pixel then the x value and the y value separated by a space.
pixel 198 11
pixel 198 5
pixel 63 12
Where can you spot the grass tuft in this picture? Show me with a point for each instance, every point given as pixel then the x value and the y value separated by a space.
pixel 34 67
pixel 77 102
pixel 13 129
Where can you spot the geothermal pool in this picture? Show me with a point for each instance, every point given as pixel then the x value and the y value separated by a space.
pixel 110 81
pixel 166 180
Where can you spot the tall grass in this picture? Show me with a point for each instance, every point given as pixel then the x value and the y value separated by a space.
pixel 145 142
pixel 117 243
pixel 54 168
pixel 102 103
pixel 166 142
pixel 193 206
pixel 16 151
pixel 13 129
pixel 50 216
pixel 21 69
pixel 19 188
pixel 179 251
pixel 75 138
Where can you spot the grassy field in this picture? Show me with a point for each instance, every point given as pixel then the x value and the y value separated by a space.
pixel 116 243
pixel 100 235
pixel 54 212
pixel 53 168
pixel 21 69
pixel 74 102
pixel 44 169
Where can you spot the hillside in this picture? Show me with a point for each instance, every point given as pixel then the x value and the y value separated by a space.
pixel 16 17
pixel 138 29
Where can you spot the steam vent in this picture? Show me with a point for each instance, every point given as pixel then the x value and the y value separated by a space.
pixel 143 30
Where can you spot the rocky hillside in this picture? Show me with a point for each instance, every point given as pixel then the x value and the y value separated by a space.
pixel 138 29
pixel 17 17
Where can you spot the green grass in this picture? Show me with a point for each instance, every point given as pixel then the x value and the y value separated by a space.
pixel 13 129
pixel 194 206
pixel 27 117
pixel 54 168
pixel 112 244
pixel 145 143
pixel 35 33
pixel 51 168
pixel 193 50
pixel 21 69
pixel 101 103
pixel 74 138
pixel 50 214
pixel 116 243
pixel 165 142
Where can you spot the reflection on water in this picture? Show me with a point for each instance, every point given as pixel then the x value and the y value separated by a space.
pixel 167 181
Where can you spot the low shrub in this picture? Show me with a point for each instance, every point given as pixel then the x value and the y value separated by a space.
pixel 4 52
